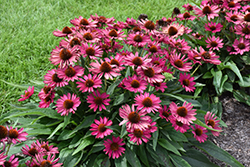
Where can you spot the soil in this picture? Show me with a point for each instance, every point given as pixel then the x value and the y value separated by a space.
pixel 235 138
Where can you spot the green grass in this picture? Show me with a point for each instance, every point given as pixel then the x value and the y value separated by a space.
pixel 27 40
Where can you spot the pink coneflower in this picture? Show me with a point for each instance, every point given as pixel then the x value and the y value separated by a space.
pixel 28 94
pixel 65 32
pixel 243 30
pixel 137 136
pixel 174 30
pixel 152 128
pixel 98 100
pixel 135 84
pixel 113 34
pixel 92 51
pixel 118 26
pixel 159 86
pixel 70 42
pixel 83 23
pixel 186 16
pixel 180 62
pixel 13 162
pixel 154 48
pixel 242 45
pixel 117 62
pixel 210 120
pixel 2 158
pixel 32 150
pixel 209 57
pixel 88 83
pixel 151 73
pixel 199 133
pixel 234 17
pixel 134 119
pixel 88 36
pixel 131 22
pixel 147 25
pixel 52 79
pixel 180 44
pixel 185 114
pixel 197 35
pixel 213 27
pixel 195 56
pixel 207 10
pixel 114 147
pixel 105 68
pixel 70 73
pixel 188 7
pixel 148 103
pixel 47 100
pixel 214 43
pixel 102 20
pixel 99 127
pixel 16 135
pixel 245 8
pixel 246 18
pixel 49 161
pixel 187 82
pixel 67 104
pixel 48 149
pixel 45 91
pixel 159 62
pixel 64 56
pixel 231 5
pixel 3 132
pixel 164 113
pixel 138 39
pixel 178 126
pixel 134 60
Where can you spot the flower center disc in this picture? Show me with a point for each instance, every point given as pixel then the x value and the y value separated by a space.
pixel 89 83
pixel 182 111
pixel 179 123
pixel 135 83
pixel 26 94
pixel 84 22
pixel 150 72
pixel 114 146
pixel 186 15
pixel 214 44
pixel 70 72
pixel 56 79
pixel 74 41
pixel 178 63
pixel 134 117
pixel 137 61
pixel 105 67
pixel 234 17
pixel 138 38
pixel 157 84
pixel 46 89
pixel 198 132
pixel 115 62
pixel 48 99
pixel 113 33
pixel 172 31
pixel 68 104
pixel 90 51
pixel 246 30
pixel 206 10
pixel 138 133
pixel 7 164
pixel 3 132
pixel 241 46
pixel 211 123
pixel 98 100
pixel 231 4
pixel 247 17
pixel 150 25
pixel 66 30
pixel 46 163
pixel 147 102
pixel 153 49
pixel 65 54
pixel 102 128
pixel 13 133
pixel 33 151
pixel 206 55
pixel 165 114
pixel 88 36
pixel 136 29
pixel 212 28
pixel 186 82
pixel 46 147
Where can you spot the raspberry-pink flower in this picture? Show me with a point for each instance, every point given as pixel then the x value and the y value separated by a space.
pixel 28 94
pixel 165 113
pixel 16 135
pixel 199 133
pixel 241 46
pixel 151 73
pixel 114 147
pixel 98 100
pixel 2 158
pixel 88 83
pixel 13 162
pixel 99 128
pixel 137 136
pixel 135 84
pixel 70 73
pixel 187 82
pixel 214 43
pixel 210 120
pixel 52 79
pixel 148 103
pixel 178 126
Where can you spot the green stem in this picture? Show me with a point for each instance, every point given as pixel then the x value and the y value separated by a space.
pixel 195 70
pixel 8 149
pixel 105 83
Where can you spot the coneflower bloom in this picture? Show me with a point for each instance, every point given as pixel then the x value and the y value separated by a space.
pixel 102 20
pixel 186 16
pixel 114 147
pixel 245 8
pixel 159 62
pixel 113 34
pixel 188 7
pixel 151 74
pixel 197 35
pixel 134 119
pixel 105 68
pixel 48 149
pixel 3 132
pixel 233 17
pixel 64 56
pixel 185 114
pixel 199 133
pixel 164 113
pixel 88 83
pixel 28 94
pixel 187 82
pixel 47 100
pixel 52 79
pixel 65 32
pixel 135 84
pixel 117 61
pixel 154 48
pixel 178 125
pixel 137 136
pixel 147 25
pixel 2 158
pixel 241 46
pixel 213 27
pixel 180 44
pixel 88 36
pixel 13 162
pixel 174 30
pixel 231 5
pixel 119 25
pixel 70 42
pixel 210 120
pixel 138 39
pixel 195 56
pixel 148 103
pixel 134 60
pixel 70 73
pixel 49 161
pixel 67 104
pixel 207 10
pixel 243 30
pixel 98 100
pixel 99 128
pixel 83 23
pixel 16 135
pixel 214 43
pixel 92 51
pixel 159 86
pixel 180 62
pixel 32 150
pixel 209 57
pixel 45 91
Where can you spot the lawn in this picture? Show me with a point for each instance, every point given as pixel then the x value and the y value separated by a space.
pixel 27 40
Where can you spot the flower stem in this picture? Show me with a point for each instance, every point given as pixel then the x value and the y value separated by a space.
pixel 8 149
pixel 195 70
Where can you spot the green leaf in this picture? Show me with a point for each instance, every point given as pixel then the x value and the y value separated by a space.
pixel 174 96
pixel 85 142
pixel 217 80
pixel 224 79
pixel 197 91
pixel 198 122
pixel 34 132
pixel 163 156
pixel 228 86
pixel 242 97
pixel 119 99
pixel 65 135
pixel 142 154
pixel 179 161
pixel 123 131
pixel 207 75
pixel 127 72
pixel 99 159
pixel 231 65
pixel 67 120
pixel 121 161
pixel 166 144
pixel 55 130
pixel 75 141
pixel 177 136
pixel 112 87
pixel 246 82
pixel 218 153
pixel 105 162
pixel 155 138
pixel 132 158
